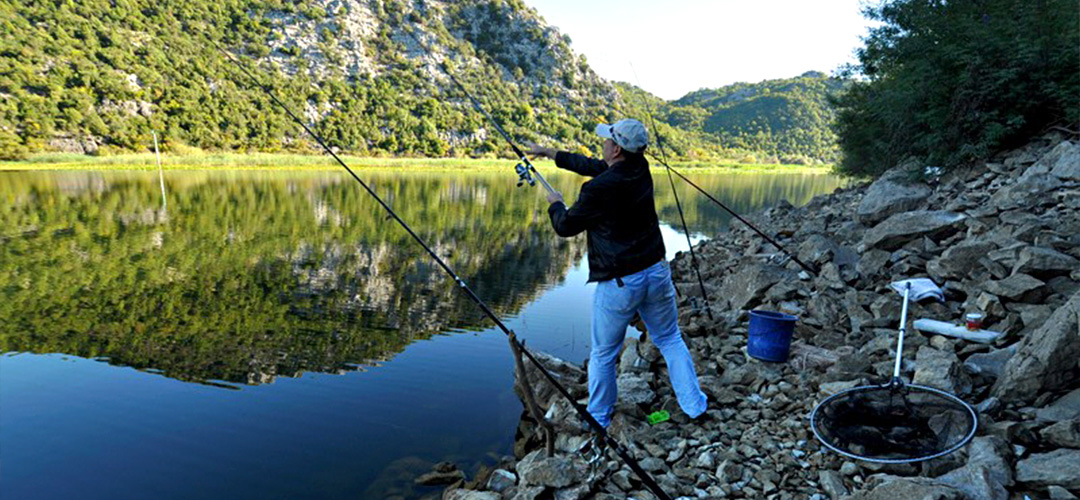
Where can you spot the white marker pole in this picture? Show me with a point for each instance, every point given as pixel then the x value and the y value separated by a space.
pixel 161 174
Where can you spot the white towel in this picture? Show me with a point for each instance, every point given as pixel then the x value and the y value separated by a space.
pixel 921 288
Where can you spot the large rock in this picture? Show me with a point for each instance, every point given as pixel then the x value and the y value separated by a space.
pixel 536 469
pixel 993 453
pixel 1045 262
pixel 990 364
pixel 1018 287
pixel 941 370
pixel 987 474
pixel 746 288
pixel 1046 358
pixel 1059 467
pixel 501 480
pixel 959 260
pixel 913 488
pixel 832 483
pixel 891 194
pixel 1066 158
pixel 901 228
pixel 977 482
pixel 634 390
pixel 1065 433
pixel 1066 407
pixel 1030 189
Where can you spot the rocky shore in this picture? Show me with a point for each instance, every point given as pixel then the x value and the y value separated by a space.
pixel 1002 238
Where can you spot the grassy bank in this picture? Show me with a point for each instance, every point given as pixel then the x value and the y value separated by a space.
pixel 273 161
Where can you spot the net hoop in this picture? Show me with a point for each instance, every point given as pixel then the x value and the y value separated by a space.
pixel 889 386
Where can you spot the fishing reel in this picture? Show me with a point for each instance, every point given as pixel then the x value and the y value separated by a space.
pixel 524 176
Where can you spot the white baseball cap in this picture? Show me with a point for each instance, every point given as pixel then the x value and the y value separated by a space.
pixel 629 134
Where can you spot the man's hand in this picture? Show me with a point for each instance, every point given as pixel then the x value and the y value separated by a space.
pixel 555 196
pixel 535 150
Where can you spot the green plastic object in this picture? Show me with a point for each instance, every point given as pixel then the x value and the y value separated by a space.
pixel 658 416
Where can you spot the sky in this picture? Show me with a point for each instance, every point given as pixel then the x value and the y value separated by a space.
pixel 678 46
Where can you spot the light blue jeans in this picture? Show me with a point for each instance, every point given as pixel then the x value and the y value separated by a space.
pixel 651 294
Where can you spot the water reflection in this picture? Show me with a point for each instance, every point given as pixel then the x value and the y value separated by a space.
pixel 254 275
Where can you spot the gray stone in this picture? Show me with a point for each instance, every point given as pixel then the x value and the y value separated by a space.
pixel 1067 407
pixel 630 361
pixel 872 263
pixel 891 194
pixel 501 480
pixel 536 469
pixel 1065 433
pixel 1066 161
pixel 1030 189
pixel 817 249
pixel 1019 288
pixel 941 370
pixel 1059 493
pixel 652 464
pixel 528 493
pixel 1059 467
pixel 849 468
pixel 729 472
pixel 959 260
pixel 577 492
pixel 832 483
pixel 901 228
pixel 1045 359
pixel 747 287
pixel 977 482
pixel 1045 262
pixel 621 478
pixel 990 364
pixel 634 390
pixel 913 488
pixel 992 452
pixel 463 494
pixel 830 388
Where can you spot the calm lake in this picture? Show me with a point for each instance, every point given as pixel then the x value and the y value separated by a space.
pixel 273 335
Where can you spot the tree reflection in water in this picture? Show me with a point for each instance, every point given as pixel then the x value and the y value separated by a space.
pixel 254 275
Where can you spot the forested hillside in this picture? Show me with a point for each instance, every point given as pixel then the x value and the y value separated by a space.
pixel 98 76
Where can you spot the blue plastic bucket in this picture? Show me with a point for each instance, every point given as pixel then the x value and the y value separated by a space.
pixel 770 335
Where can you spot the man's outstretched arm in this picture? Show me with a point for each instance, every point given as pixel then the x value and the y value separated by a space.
pixel 576 163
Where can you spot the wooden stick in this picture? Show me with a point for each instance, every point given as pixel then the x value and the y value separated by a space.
pixel 530 399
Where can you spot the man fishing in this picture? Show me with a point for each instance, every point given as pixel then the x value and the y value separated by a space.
pixel 626 259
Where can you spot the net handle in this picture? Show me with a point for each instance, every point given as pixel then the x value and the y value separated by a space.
pixel 903 329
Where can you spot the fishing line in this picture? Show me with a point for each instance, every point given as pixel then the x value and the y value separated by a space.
pixel 598 430
pixel 525 169
pixel 739 217
pixel 678 204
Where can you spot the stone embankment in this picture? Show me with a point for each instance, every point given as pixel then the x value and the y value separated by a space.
pixel 1002 239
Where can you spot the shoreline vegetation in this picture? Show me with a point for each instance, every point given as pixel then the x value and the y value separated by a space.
pixel 285 161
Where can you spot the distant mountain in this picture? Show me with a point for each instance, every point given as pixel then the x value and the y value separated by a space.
pixel 789 119
pixel 99 76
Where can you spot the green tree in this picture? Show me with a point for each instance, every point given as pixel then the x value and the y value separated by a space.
pixel 954 82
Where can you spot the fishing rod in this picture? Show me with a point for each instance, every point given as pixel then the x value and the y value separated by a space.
pixel 598 430
pixel 525 169
pixel 678 204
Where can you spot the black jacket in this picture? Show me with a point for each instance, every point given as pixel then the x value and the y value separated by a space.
pixel 616 208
